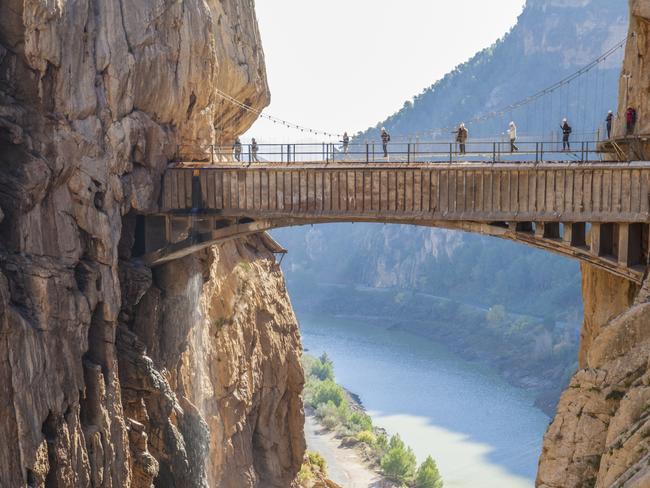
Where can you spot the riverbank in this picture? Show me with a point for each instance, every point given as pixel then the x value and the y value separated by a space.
pixel 344 464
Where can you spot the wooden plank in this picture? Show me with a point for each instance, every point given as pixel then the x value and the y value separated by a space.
pixel 578 191
pixel 626 190
pixel 597 191
pixel 644 192
pixel 417 191
pixel 550 203
pixel 443 200
pixel 504 188
pixel 273 190
pixel 532 191
pixel 376 191
pixel 303 189
pixel 452 191
pixel 242 195
pixel 367 191
pixel 327 191
pixel 250 190
pixel 522 191
pixel 587 192
pixel 434 194
pixel 426 191
pixel 461 192
pixel 336 194
pixel 540 199
pixel 559 191
pixel 513 190
pixel 567 191
pixel 607 192
pixel 383 191
pixel 635 191
pixel 392 191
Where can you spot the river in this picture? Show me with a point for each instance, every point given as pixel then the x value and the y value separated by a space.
pixel 482 432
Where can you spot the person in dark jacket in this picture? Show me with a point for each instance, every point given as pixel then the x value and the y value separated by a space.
pixel 346 143
pixel 236 147
pixel 385 139
pixel 461 137
pixel 608 121
pixel 630 120
pixel 566 133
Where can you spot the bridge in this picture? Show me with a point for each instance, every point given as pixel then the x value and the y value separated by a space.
pixel 591 210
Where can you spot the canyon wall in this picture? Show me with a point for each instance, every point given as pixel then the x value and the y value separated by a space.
pixel 600 436
pixel 100 378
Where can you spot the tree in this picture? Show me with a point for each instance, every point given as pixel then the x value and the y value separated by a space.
pixel 399 463
pixel 428 475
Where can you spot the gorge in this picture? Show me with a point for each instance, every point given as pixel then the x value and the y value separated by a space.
pixel 188 374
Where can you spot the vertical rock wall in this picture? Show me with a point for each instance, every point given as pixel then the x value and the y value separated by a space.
pixel 95 98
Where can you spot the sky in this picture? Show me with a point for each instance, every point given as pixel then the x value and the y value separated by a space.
pixel 344 65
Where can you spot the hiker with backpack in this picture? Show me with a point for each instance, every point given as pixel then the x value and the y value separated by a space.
pixel 566 132
pixel 236 147
pixel 385 139
pixel 254 151
pixel 461 137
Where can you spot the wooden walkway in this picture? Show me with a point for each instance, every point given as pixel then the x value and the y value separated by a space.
pixel 596 212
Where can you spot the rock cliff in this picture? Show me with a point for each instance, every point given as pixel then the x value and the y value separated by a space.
pixel 100 378
pixel 600 436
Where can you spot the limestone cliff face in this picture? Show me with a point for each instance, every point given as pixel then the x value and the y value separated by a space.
pixel 95 98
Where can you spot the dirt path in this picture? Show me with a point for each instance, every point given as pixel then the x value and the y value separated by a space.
pixel 344 466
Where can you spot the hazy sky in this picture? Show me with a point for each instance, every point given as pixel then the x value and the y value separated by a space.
pixel 339 65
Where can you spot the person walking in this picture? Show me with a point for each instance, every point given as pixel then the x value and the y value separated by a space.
pixel 254 151
pixel 346 143
pixel 608 121
pixel 236 147
pixel 566 132
pixel 385 139
pixel 461 137
pixel 512 133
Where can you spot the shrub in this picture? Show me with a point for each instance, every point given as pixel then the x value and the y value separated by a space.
pixel 359 421
pixel 367 437
pixel 327 391
pixel 428 475
pixel 315 459
pixel 399 463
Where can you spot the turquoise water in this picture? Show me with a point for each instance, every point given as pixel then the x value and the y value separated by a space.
pixel 482 432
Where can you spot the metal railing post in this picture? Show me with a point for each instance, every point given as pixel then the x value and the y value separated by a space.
pixel 451 150
pixel 408 153
pixel 541 152
pixel 367 152
pixel 494 152
pixel 211 153
pixel 537 152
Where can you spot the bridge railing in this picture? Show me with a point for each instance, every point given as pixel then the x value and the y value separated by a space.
pixel 395 152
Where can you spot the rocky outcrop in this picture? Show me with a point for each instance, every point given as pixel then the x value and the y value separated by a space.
pixel 210 368
pixel 95 99
pixel 600 436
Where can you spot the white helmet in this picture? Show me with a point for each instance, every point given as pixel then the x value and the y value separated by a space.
pixel 462 124
pixel 512 123
pixel 383 129
pixel 609 112
pixel 564 120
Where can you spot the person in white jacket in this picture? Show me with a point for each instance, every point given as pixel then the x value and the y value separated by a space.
pixel 512 132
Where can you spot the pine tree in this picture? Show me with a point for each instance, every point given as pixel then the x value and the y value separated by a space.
pixel 428 475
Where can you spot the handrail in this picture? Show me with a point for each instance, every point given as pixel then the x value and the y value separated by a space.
pixel 406 152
